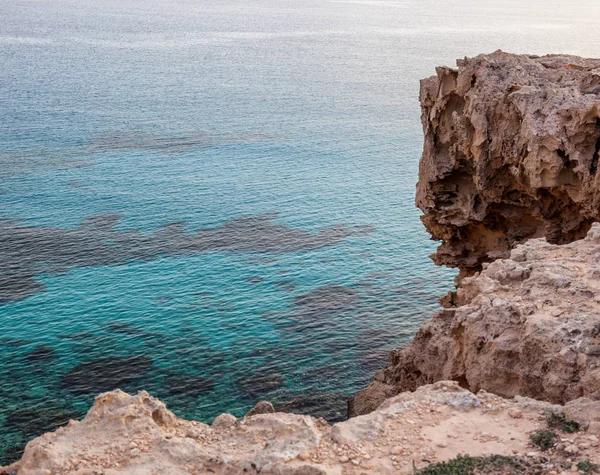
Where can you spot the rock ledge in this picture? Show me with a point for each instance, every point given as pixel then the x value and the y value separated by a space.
pixel 124 434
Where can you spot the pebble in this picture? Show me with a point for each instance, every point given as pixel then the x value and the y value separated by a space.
pixel 396 450
pixel 355 462
pixel 515 413
pixel 344 459
pixel 571 449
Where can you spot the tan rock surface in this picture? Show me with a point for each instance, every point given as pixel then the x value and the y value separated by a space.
pixel 511 152
pixel 125 434
pixel 528 325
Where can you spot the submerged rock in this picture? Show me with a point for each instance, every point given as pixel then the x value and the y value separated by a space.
pixel 259 382
pixel 329 405
pixel 187 385
pixel 39 354
pixel 35 418
pixel 105 374
pixel 333 297
pixel 262 407
pixel 29 251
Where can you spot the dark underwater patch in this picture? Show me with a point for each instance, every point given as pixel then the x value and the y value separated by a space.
pixel 78 336
pixel 11 454
pixel 319 374
pixel 26 251
pixel 375 361
pixel 12 342
pixel 329 298
pixel 40 354
pixel 136 141
pixel 33 160
pixel 35 419
pixel 287 285
pixel 260 382
pixel 105 374
pixel 182 384
pixel 124 328
pixel 331 406
pixel 16 286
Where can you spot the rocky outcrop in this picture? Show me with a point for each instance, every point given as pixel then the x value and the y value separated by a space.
pixel 511 152
pixel 124 434
pixel 528 325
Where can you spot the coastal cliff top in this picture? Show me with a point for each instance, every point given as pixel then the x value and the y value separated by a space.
pixel 124 434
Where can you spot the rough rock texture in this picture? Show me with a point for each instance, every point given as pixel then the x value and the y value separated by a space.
pixel 125 434
pixel 528 325
pixel 511 152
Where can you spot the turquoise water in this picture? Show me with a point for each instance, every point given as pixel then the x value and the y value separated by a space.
pixel 213 201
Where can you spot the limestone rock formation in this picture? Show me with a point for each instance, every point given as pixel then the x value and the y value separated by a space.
pixel 511 152
pixel 124 434
pixel 528 325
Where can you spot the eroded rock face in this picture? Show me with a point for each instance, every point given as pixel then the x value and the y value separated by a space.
pixel 125 434
pixel 511 152
pixel 528 325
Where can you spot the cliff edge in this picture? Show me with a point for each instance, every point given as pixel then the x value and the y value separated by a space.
pixel 124 434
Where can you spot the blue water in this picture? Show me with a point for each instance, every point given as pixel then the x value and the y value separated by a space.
pixel 213 200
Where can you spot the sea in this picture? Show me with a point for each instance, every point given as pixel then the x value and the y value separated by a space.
pixel 213 200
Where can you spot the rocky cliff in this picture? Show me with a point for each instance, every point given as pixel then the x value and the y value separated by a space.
pixel 511 152
pixel 125 434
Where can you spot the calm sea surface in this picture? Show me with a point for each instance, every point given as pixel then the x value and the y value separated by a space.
pixel 213 200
